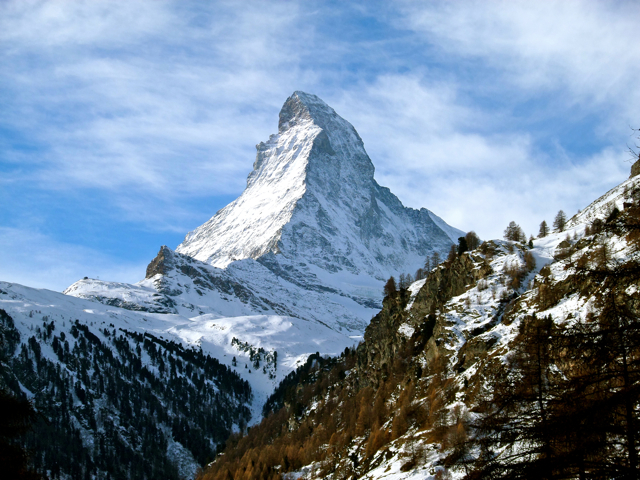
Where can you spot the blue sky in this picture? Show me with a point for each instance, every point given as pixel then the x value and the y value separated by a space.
pixel 126 124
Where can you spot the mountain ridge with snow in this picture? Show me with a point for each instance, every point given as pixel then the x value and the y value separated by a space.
pixel 313 235
pixel 304 179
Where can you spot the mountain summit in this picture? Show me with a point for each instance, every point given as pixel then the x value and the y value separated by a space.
pixel 313 236
pixel 312 198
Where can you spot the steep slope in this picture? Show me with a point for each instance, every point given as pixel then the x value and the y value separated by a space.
pixel 113 398
pixel 312 198
pixel 418 399
pixel 312 236
pixel 138 394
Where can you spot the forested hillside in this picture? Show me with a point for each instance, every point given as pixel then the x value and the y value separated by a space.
pixel 514 360
pixel 114 403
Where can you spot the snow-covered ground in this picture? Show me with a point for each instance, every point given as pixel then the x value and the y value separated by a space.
pixel 292 338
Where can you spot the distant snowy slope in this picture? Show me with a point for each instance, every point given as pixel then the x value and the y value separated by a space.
pixel 292 338
pixel 179 284
pixel 116 394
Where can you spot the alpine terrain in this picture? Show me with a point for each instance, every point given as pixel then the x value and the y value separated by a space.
pixel 149 380
pixel 513 360
pixel 313 235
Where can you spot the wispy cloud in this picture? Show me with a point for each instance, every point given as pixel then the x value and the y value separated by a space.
pixel 583 49
pixel 147 112
pixel 146 94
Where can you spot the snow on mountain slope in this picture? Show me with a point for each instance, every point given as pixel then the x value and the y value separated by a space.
pixel 602 207
pixel 312 236
pixel 312 200
pixel 179 284
pixel 292 338
pixel 312 197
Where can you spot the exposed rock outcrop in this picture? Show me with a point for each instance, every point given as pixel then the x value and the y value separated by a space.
pixel 635 168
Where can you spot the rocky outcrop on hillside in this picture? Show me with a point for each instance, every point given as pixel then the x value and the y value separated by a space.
pixel 397 327
pixel 635 168
pixel 452 365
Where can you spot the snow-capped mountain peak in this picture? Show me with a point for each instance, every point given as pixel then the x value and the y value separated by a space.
pixel 312 197
pixel 312 236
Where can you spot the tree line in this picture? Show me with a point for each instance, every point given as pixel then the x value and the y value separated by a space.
pixel 470 241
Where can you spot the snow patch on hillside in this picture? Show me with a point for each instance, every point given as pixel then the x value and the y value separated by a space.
pixel 294 339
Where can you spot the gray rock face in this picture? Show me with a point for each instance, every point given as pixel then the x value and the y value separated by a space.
pixel 318 203
pixel 635 168
pixel 312 236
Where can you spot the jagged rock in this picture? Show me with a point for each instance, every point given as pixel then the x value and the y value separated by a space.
pixel 313 235
pixel 161 264
pixel 635 168
pixel 382 337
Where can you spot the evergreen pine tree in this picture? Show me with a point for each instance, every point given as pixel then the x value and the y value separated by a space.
pixel 560 221
pixel 544 230
pixel 473 241
pixel 514 233
pixel 390 288
pixel 462 245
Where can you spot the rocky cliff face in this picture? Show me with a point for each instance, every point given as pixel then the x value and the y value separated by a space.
pixel 313 235
pixel 416 315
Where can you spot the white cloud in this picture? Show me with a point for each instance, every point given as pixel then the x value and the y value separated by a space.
pixel 149 95
pixel 585 48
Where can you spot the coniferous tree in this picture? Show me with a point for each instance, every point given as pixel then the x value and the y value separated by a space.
pixel 453 254
pixel 516 420
pixel 514 233
pixel 390 288
pixel 405 281
pixel 427 263
pixel 473 241
pixel 544 230
pixel 602 391
pixel 462 245
pixel 560 222
pixel 16 417
pixel 435 261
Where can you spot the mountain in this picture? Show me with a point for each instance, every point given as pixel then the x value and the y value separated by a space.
pixel 149 380
pixel 312 236
pixel 312 198
pixel 508 361
pixel 117 396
